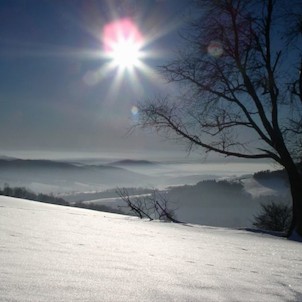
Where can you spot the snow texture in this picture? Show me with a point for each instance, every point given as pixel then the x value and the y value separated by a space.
pixel 55 253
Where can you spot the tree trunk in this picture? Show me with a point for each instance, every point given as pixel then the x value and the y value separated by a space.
pixel 295 181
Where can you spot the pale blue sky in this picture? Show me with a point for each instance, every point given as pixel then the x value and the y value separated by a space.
pixel 48 49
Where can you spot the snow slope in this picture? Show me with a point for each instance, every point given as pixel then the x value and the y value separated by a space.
pixel 55 253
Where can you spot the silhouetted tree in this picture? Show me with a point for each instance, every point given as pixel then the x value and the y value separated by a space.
pixel 241 74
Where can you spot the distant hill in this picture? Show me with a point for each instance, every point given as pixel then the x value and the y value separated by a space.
pixel 33 164
pixel 54 176
pixel 7 157
pixel 132 162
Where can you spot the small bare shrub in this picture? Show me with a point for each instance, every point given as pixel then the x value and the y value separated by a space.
pixel 151 206
pixel 274 217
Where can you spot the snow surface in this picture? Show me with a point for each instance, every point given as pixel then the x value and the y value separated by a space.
pixel 55 253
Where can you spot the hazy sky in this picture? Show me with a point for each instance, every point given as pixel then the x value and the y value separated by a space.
pixel 56 92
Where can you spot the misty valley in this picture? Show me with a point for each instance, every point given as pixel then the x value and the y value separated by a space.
pixel 201 195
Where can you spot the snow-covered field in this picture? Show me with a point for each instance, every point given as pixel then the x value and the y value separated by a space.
pixel 54 253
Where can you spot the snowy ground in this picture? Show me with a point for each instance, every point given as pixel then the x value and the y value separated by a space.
pixel 53 253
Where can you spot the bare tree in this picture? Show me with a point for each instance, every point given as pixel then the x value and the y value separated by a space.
pixel 241 77
pixel 151 206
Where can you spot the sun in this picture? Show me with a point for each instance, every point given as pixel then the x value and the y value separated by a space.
pixel 122 43
pixel 125 53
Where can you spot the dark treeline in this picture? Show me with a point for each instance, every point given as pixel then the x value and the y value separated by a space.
pixel 262 175
pixel 217 193
pixel 211 193
pixel 21 192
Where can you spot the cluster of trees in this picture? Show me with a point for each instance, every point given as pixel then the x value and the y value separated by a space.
pixel 21 192
pixel 212 193
pixel 262 175
pixel 24 193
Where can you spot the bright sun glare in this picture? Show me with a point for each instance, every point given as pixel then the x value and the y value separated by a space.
pixel 125 53
pixel 122 43
pixel 124 49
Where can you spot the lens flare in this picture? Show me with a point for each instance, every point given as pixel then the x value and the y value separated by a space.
pixel 215 49
pixel 134 110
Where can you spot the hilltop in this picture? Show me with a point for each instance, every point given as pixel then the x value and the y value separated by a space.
pixel 56 253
